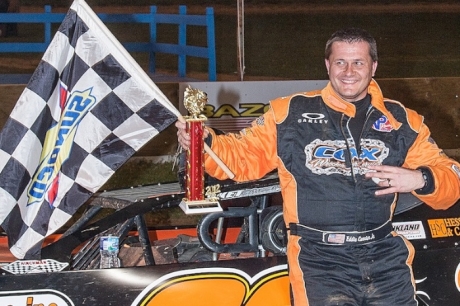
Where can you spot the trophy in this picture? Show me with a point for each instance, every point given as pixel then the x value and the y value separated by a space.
pixel 195 201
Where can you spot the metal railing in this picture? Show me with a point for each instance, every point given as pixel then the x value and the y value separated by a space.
pixel 181 49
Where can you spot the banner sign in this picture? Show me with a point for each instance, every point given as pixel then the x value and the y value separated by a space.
pixel 232 106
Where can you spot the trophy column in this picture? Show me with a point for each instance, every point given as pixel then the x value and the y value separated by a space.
pixel 195 201
pixel 195 161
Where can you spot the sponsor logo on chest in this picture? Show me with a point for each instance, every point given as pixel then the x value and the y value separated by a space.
pixel 314 118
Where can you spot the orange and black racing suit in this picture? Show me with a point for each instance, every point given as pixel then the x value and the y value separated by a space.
pixel 341 248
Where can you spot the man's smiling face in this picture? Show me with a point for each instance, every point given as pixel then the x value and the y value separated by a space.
pixel 350 68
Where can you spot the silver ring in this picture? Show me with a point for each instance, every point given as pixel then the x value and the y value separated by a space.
pixel 389 180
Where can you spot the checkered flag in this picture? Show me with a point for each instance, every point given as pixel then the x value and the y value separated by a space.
pixel 87 108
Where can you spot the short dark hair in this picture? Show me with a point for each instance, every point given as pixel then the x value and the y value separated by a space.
pixel 351 35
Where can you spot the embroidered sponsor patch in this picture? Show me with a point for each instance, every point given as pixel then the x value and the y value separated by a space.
pixel 315 118
pixel 260 120
pixel 382 125
pixel 410 229
pixel 445 227
pixel 328 157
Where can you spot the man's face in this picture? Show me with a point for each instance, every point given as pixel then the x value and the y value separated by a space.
pixel 350 68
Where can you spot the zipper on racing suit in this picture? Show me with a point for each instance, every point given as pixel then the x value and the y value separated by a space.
pixel 348 159
pixel 357 145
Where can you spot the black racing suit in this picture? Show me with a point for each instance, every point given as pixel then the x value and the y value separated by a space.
pixel 341 248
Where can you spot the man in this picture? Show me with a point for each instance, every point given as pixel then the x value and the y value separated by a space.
pixel 343 154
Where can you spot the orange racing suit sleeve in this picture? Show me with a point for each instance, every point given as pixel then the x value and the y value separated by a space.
pixel 446 171
pixel 249 154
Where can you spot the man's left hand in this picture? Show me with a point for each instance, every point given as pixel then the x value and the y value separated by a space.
pixel 396 179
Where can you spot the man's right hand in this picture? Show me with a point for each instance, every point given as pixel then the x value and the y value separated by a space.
pixel 183 137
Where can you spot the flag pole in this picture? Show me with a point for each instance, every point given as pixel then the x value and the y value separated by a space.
pixel 218 161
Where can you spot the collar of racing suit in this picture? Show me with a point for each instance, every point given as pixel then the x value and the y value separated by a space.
pixel 334 101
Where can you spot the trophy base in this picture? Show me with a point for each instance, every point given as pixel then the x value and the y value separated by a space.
pixel 200 207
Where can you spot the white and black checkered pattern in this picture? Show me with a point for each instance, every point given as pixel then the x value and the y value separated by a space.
pixel 129 110
pixel 35 266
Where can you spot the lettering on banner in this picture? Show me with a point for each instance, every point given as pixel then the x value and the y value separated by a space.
pixel 58 145
pixel 249 192
pixel 411 230
pixel 443 228
pixel 244 110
